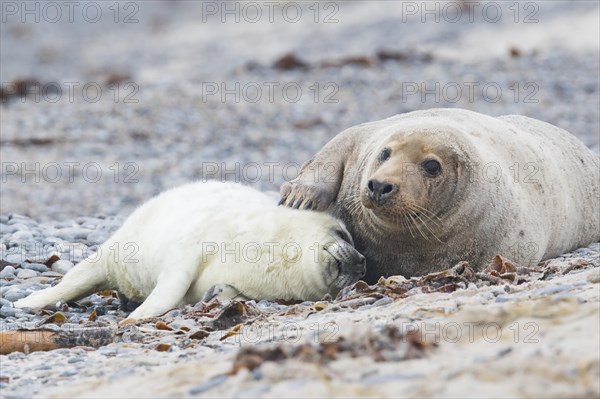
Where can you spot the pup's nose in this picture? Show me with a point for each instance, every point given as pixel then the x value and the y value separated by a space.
pixel 379 191
pixel 362 267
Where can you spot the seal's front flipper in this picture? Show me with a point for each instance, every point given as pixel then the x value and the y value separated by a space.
pixel 319 181
pixel 301 195
pixel 223 293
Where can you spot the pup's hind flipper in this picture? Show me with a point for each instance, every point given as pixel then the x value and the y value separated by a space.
pixel 84 279
pixel 223 292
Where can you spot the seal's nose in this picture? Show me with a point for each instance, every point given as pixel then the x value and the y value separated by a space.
pixel 379 191
pixel 350 262
pixel 362 267
pixel 356 267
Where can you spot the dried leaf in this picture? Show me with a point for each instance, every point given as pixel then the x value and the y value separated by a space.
pixel 51 260
pixel 163 347
pixel 93 316
pixel 109 293
pixel 417 346
pixel 234 331
pixel 251 357
pixel 161 325
pixel 318 306
pixel 501 265
pixel 199 334
pixel 384 55
pixel 388 345
pixel 289 61
pixel 232 314
pixel 576 264
pixel 57 318
pixel 450 287
pixel 331 349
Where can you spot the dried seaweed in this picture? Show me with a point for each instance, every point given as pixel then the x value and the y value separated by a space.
pixel 390 344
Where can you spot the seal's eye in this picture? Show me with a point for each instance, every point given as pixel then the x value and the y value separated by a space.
pixel 344 236
pixel 385 154
pixel 431 167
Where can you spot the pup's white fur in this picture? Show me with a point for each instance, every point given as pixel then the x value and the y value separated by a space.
pixel 176 246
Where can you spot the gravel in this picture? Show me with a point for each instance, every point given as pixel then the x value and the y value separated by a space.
pixel 62 266
pixel 176 133
pixel 8 271
pixel 112 154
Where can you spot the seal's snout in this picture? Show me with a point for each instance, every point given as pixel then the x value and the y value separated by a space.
pixel 380 191
pixel 361 267
pixel 353 263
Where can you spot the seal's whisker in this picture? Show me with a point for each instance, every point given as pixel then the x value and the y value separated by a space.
pixel 428 218
pixel 427 227
pixel 405 222
pixel 413 216
pixel 355 208
pixel 426 211
pixel 408 223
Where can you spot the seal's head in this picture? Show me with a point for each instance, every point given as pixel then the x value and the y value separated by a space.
pixel 411 179
pixel 343 264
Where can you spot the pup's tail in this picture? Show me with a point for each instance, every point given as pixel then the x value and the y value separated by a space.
pixel 87 277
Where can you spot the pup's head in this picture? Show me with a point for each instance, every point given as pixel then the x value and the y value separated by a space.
pixel 324 260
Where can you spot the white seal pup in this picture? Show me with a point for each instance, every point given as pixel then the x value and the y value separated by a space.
pixel 177 246
pixel 424 190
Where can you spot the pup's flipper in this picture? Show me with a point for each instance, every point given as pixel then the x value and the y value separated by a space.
pixel 84 279
pixel 223 292
pixel 169 292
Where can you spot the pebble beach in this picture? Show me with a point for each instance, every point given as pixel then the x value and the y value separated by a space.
pixel 97 117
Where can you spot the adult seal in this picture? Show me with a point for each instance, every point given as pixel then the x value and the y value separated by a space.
pixel 424 190
pixel 214 238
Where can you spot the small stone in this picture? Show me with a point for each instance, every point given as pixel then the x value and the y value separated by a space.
pixel 8 271
pixel 21 226
pixel 594 276
pixel 22 236
pixel 38 267
pixel 6 311
pixel 15 258
pixel 53 240
pixel 21 315
pixel 14 295
pixel 7 228
pixel 51 274
pixel 173 313
pixel 65 224
pixel 72 233
pixel 209 384
pixel 183 324
pixel 16 218
pixel 26 273
pixel 503 298
pixel 62 266
pixel 97 237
